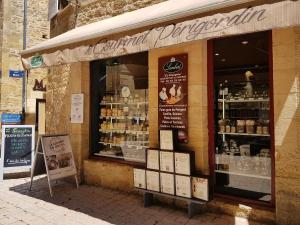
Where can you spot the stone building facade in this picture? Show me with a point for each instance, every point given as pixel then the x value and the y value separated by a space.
pixel 11 43
pixel 75 78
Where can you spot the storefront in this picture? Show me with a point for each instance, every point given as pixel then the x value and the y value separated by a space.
pixel 242 101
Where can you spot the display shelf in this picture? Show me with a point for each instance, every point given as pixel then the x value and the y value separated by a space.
pixel 124 103
pixel 109 155
pixel 243 174
pixel 124 117
pixel 244 134
pixel 124 131
pixel 141 144
pixel 243 100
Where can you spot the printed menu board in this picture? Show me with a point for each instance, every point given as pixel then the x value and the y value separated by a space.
pixel 17 146
pixel 167 184
pixel 182 163
pixel 166 161
pixel 152 159
pixel 152 178
pixel 183 186
pixel 173 94
pixel 139 178
pixel 200 188
pixel 59 156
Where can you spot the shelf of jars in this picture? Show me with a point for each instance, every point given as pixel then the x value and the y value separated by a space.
pixel 243 100
pixel 123 103
pixel 244 134
pixel 243 141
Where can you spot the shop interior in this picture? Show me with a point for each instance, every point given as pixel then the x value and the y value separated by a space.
pixel 242 139
pixel 119 107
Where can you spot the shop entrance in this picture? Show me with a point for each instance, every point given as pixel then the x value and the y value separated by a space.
pixel 241 117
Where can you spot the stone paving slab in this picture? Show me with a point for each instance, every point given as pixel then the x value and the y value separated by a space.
pixel 90 205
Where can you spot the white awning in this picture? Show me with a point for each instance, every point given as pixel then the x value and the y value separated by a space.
pixel 57 51
pixel 162 12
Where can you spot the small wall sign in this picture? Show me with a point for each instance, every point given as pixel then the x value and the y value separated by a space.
pixel 36 61
pixel 16 73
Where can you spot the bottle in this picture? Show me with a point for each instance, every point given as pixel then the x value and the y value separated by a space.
pixel 221 91
pixel 226 88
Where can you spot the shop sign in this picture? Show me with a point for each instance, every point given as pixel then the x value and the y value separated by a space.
pixel 16 73
pixel 246 20
pixel 36 61
pixel 173 95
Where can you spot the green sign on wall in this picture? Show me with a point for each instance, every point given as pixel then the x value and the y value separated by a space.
pixel 36 61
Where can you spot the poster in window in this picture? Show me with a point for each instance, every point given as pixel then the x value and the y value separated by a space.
pixel 200 188
pixel 153 159
pixel 166 161
pixel 183 186
pixel 167 184
pixel 77 108
pixel 152 178
pixel 182 163
pixel 173 95
pixel 139 178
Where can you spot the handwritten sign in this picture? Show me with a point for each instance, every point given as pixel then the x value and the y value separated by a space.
pixel 173 94
pixel 17 147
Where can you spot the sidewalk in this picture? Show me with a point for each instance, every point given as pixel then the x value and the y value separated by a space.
pixel 90 205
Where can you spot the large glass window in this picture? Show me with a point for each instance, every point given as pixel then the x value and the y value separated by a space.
pixel 242 140
pixel 120 107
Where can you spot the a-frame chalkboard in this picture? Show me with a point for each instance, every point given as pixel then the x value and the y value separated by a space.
pixel 17 148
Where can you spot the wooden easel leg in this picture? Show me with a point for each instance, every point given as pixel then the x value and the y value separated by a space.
pixel 76 180
pixel 32 169
pixel 50 188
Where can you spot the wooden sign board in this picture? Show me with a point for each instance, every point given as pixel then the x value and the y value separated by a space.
pixel 152 180
pixel 58 157
pixel 183 186
pixel 200 188
pixel 17 148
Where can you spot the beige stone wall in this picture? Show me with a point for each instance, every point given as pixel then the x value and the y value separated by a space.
pixel 12 18
pixel 286 78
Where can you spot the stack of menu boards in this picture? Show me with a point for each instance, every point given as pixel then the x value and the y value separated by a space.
pixel 170 172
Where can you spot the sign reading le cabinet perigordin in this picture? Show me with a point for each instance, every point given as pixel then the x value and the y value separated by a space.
pixel 173 95
pixel 17 148
pixel 58 157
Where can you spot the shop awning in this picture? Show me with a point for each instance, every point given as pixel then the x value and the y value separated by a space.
pixel 73 45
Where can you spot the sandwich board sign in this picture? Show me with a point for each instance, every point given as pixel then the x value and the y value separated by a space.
pixel 58 157
pixel 17 148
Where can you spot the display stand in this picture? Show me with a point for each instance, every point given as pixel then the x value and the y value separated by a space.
pixel 58 157
pixel 191 203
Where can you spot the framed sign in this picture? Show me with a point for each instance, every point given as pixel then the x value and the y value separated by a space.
pixel 152 178
pixel 200 188
pixel 183 186
pixel 166 160
pixel 58 158
pixel 166 140
pixel 139 178
pixel 153 159
pixel 167 183
pixel 173 94
pixel 182 163
pixel 17 148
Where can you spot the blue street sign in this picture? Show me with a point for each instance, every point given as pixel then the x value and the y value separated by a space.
pixel 10 118
pixel 16 73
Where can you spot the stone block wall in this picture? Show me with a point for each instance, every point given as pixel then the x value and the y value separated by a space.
pixel 11 31
pixel 286 79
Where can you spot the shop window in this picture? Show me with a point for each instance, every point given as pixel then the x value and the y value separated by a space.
pixel 119 107
pixel 242 124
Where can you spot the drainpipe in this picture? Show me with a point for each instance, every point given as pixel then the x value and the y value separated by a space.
pixel 25 72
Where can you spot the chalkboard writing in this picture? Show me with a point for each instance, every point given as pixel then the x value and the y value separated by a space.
pixel 17 146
